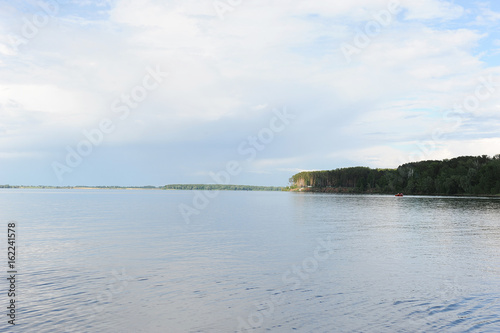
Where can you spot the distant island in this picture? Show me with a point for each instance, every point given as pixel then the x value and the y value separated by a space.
pixel 466 175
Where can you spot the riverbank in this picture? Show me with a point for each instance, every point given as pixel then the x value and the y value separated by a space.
pixel 350 190
pixel 465 175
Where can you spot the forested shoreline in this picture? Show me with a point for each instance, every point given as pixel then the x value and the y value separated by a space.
pixel 466 175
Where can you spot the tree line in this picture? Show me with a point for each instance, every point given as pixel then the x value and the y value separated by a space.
pixel 466 175
pixel 221 187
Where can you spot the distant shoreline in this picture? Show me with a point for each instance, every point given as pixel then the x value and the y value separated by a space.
pixel 351 191
pixel 77 187
pixel 212 187
pixel 185 187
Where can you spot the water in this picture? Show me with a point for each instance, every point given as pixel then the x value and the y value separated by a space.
pixel 127 261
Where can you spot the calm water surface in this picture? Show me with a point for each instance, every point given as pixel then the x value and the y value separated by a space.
pixel 127 261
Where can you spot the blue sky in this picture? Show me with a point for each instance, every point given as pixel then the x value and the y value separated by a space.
pixel 156 92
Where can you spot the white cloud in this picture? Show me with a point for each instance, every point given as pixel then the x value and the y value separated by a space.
pixel 487 16
pixel 432 9
pixel 222 71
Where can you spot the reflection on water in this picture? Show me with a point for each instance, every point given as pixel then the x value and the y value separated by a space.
pixel 126 261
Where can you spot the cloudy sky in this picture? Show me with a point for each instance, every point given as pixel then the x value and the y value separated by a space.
pixel 154 92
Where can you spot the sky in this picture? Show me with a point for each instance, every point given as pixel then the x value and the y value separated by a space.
pixel 155 92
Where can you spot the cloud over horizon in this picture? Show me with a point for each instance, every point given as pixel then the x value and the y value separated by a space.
pixel 370 82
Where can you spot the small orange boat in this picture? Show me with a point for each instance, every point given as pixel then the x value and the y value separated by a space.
pixel 399 195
